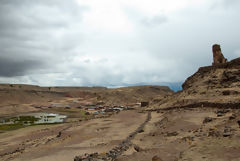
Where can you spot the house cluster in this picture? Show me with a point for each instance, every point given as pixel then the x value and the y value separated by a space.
pixel 89 108
pixel 99 109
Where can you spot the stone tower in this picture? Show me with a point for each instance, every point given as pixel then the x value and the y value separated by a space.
pixel 218 57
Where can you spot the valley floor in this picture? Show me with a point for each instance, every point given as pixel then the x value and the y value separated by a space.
pixel 63 142
pixel 199 134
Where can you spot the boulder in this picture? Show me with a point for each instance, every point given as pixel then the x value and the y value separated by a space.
pixel 221 112
pixel 172 133
pixel 238 122
pixel 137 148
pixel 207 119
pixel 156 158
pixel 59 134
pixel 214 133
pixel 227 131
pixel 232 117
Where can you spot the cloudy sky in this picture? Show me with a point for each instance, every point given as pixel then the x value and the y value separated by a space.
pixel 113 42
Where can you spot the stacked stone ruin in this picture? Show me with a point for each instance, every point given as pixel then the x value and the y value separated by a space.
pixel 218 57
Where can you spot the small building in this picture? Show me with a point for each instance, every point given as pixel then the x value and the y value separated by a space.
pixel 92 112
pixel 117 109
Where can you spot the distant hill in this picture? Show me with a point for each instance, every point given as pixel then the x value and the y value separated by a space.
pixel 134 94
pixel 18 98
pixel 175 86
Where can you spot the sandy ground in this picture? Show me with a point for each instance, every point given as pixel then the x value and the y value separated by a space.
pixel 181 135
pixel 175 135
pixel 41 143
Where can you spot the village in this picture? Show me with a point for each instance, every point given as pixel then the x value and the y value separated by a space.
pixel 71 106
pixel 90 108
pixel 65 110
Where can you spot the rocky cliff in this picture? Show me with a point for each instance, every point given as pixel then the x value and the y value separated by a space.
pixel 210 85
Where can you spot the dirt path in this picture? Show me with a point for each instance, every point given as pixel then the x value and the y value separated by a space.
pixel 63 142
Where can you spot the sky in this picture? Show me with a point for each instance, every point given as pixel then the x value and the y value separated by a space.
pixel 113 42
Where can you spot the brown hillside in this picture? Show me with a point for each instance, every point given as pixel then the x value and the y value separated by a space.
pixel 212 84
pixel 129 95
pixel 18 98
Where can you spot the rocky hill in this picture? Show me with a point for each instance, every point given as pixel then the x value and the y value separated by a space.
pixel 129 95
pixel 19 94
pixel 52 89
pixel 210 86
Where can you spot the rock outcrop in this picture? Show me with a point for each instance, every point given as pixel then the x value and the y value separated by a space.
pixel 220 76
pixel 211 85
pixel 156 158
pixel 218 57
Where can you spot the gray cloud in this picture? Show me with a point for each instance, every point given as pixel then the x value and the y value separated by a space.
pixel 154 21
pixel 230 2
pixel 226 5
pixel 52 42
pixel 33 33
pixel 11 68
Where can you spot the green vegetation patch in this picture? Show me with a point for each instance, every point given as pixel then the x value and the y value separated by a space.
pixel 66 110
pixel 17 121
pixel 7 127
pixel 14 123
pixel 27 118
pixel 83 113
pixel 51 116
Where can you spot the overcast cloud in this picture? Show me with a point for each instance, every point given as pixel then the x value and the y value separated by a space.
pixel 113 43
